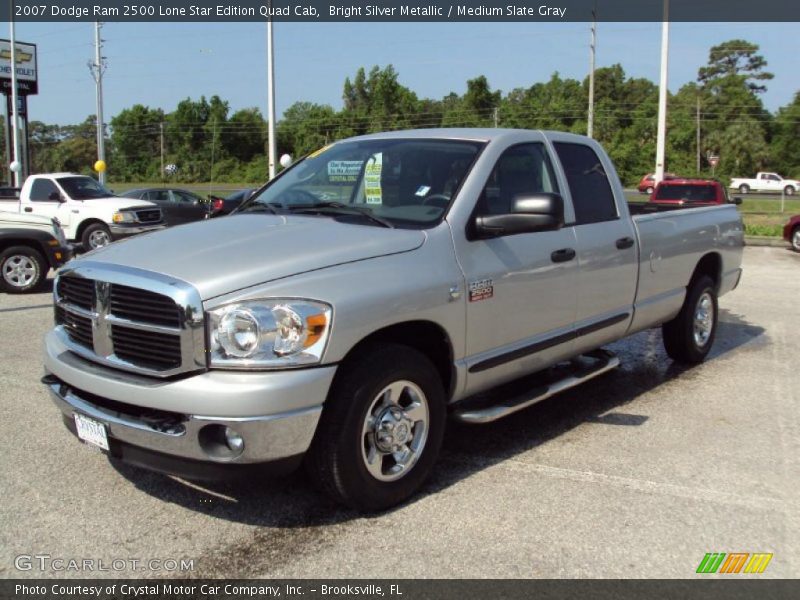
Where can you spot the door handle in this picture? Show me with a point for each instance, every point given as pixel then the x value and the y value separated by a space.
pixel 563 255
pixel 624 243
pixel 28 209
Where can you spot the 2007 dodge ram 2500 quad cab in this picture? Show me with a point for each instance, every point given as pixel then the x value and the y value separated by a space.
pixel 367 291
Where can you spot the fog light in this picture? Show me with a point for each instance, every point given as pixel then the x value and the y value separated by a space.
pixel 234 441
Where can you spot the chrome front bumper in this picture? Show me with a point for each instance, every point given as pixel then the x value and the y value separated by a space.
pixel 267 439
pixel 119 231
pixel 276 412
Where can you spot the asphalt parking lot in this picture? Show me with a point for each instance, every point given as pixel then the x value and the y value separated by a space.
pixel 637 474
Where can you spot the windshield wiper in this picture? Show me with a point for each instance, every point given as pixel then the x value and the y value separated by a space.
pixel 339 209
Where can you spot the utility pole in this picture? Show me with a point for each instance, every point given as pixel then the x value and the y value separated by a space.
pixel 97 68
pixel 592 49
pixel 495 117
pixel 662 97
pixel 698 134
pixel 16 163
pixel 161 131
pixel 273 147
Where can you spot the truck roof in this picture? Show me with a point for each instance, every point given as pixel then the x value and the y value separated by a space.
pixel 486 134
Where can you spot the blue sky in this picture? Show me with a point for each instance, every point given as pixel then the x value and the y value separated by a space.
pixel 158 64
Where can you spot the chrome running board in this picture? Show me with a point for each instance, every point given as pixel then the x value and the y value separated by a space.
pixel 481 409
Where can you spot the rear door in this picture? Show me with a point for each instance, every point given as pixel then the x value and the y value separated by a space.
pixel 187 207
pixel 606 246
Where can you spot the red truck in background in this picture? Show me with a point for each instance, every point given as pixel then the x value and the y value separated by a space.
pixel 694 192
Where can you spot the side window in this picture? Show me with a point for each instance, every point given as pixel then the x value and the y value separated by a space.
pixel 520 171
pixel 183 198
pixel 42 189
pixel 158 195
pixel 588 183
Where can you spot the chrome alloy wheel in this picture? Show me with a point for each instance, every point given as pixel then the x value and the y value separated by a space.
pixel 703 319
pixel 395 431
pixel 19 270
pixel 99 238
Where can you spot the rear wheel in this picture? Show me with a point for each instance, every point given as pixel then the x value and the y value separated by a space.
pixel 689 336
pixel 23 269
pixel 649 189
pixel 95 236
pixel 744 188
pixel 788 190
pixel 381 428
pixel 796 239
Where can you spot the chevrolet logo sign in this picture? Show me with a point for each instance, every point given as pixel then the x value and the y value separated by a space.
pixel 22 57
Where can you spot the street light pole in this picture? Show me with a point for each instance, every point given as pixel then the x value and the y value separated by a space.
pixel 97 69
pixel 590 125
pixel 662 97
pixel 273 147
pixel 16 164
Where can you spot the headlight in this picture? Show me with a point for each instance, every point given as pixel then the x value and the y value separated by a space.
pixel 58 232
pixel 270 333
pixel 124 217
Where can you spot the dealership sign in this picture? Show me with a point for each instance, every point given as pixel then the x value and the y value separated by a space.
pixel 27 71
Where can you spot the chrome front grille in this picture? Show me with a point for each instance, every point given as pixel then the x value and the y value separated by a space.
pixel 155 350
pixel 153 327
pixel 141 305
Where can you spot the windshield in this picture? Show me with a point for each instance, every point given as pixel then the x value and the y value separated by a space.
pixel 690 193
pixel 407 183
pixel 83 188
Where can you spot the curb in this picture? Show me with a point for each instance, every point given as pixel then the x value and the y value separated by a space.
pixel 753 240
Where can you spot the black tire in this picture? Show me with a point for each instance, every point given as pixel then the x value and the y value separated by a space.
pixel 337 459
pixel 795 239
pixel 22 269
pixel 680 339
pixel 91 235
pixel 788 190
pixel 744 188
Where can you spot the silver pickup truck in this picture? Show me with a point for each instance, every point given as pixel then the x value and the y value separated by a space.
pixel 373 288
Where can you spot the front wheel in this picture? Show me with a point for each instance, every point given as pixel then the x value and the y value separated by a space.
pixel 381 428
pixel 23 269
pixel 689 336
pixel 96 236
pixel 796 239
pixel 743 189
pixel 649 190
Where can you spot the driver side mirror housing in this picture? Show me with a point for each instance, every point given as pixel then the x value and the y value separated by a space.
pixel 737 200
pixel 529 213
pixel 57 197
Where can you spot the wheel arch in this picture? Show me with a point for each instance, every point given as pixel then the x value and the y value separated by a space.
pixel 86 223
pixel 426 337
pixel 711 265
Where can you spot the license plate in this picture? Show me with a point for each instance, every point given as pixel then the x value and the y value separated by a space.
pixel 91 431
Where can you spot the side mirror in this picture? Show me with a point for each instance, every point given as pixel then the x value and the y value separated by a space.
pixel 737 200
pixel 528 214
pixel 56 197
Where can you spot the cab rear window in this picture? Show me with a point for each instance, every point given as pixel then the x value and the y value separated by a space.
pixel 690 193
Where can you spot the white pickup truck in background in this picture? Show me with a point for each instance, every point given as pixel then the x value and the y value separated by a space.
pixel 766 182
pixel 89 214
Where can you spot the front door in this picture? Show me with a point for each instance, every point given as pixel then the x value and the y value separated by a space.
pixel 521 289
pixel 46 199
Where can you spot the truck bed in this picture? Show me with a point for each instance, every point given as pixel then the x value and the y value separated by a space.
pixel 670 240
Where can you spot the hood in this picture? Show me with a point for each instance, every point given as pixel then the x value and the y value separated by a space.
pixel 14 218
pixel 118 203
pixel 218 256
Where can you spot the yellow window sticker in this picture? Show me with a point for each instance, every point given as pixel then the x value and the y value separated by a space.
pixel 372 180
